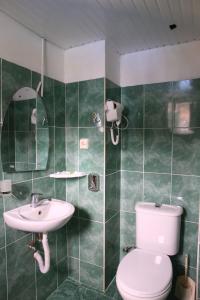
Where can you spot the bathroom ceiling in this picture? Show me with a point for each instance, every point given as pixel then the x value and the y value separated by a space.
pixel 129 25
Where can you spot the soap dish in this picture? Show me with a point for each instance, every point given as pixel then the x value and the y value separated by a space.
pixel 67 174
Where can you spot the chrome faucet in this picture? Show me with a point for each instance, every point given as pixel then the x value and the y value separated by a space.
pixel 35 199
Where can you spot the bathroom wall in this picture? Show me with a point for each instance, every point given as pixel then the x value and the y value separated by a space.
pixel 159 165
pixel 85 231
pixel 112 193
pixel 19 276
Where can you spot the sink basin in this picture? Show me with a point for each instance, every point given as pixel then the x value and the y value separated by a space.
pixel 48 216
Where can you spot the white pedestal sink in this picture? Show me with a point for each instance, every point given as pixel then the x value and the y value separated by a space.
pixel 47 216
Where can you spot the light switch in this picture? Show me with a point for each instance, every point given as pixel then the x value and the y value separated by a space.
pixel 84 143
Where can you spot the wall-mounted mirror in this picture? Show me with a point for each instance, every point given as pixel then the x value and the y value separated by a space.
pixel 25 133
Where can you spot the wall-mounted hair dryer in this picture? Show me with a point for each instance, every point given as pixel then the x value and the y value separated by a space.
pixel 113 111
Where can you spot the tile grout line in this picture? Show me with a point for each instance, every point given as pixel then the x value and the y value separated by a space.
pixel 6 257
pixel 66 187
pixel 143 141
pixel 79 250
pixel 112 217
pixel 172 146
pixel 104 192
pixel 4 206
pixel 32 178
pixel 54 183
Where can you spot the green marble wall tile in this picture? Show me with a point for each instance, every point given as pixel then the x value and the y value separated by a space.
pixel 186 155
pixel 73 237
pixel 72 96
pixel 72 148
pixel 157 188
pixel 188 91
pixel 113 154
pixel 61 239
pixel 91 242
pixel 157 150
pixel 133 101
pixel 131 190
pixel 112 238
pixel 157 99
pixel 20 196
pixel 73 268
pixel 132 150
pixel 185 192
pixel 44 186
pixel 59 149
pixel 18 177
pixel 91 203
pixel 73 193
pixel 20 269
pixel 3 281
pixel 112 195
pixel 188 243
pixel 111 269
pixel 14 77
pixel 59 98
pixel 127 230
pixel 91 275
pixel 60 189
pixel 62 270
pixel 91 99
pixel 2 231
pixel 113 91
pixel 92 159
pixel 46 283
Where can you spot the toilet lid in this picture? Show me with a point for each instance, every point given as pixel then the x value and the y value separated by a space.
pixel 143 273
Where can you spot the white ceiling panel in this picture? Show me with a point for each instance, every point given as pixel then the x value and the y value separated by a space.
pixel 129 25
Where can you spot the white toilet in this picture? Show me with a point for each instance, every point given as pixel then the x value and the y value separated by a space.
pixel 146 272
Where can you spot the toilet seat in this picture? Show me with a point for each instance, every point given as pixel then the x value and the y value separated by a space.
pixel 144 274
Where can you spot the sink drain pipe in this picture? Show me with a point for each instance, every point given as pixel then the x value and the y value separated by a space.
pixel 44 265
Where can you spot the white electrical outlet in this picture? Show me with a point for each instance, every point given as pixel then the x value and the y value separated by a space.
pixel 84 143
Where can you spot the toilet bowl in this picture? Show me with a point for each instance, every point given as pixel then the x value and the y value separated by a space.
pixel 144 275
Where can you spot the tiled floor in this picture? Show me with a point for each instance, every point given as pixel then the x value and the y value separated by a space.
pixel 69 290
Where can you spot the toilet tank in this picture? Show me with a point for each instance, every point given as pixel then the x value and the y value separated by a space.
pixel 158 227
